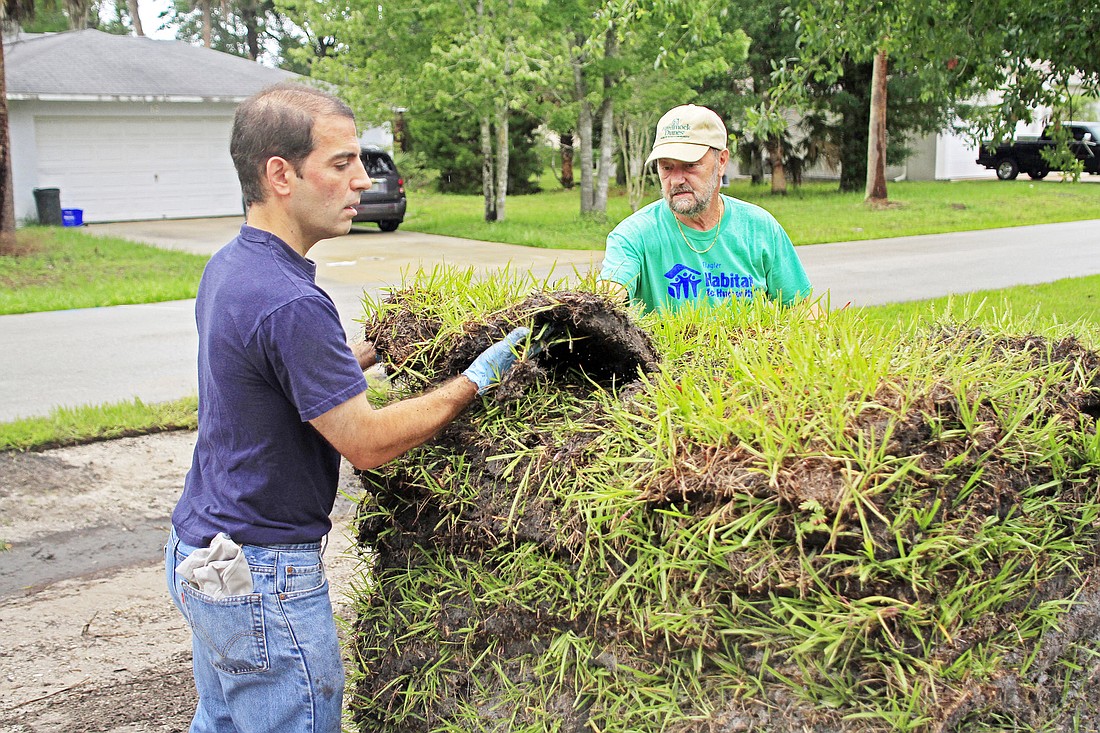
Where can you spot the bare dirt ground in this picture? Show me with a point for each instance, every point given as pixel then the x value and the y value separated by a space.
pixel 89 638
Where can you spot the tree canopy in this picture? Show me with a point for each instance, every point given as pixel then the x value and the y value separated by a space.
pixel 1021 55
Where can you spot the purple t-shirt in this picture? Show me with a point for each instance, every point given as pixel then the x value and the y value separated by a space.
pixel 272 356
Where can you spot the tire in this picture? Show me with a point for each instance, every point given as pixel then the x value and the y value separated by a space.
pixel 390 225
pixel 1007 169
pixel 1040 172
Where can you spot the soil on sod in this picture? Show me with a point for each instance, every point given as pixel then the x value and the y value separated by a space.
pixel 484 658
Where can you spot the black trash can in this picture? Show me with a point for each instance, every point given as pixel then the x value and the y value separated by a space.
pixel 48 202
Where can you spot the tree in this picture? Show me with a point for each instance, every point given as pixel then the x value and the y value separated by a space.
pixel 78 13
pixel 489 66
pixel 118 17
pixel 867 30
pixel 12 12
pixel 910 109
pixel 451 142
pixel 135 17
pixel 245 28
pixel 1031 55
pixel 615 49
pixel 480 60
pixel 683 62
pixel 958 51
pixel 318 21
pixel 763 128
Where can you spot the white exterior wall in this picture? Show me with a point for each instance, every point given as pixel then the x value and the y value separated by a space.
pixel 24 160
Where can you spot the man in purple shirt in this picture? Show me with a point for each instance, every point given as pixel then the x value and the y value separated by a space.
pixel 281 398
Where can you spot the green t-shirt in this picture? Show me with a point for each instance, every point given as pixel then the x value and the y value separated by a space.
pixel 647 254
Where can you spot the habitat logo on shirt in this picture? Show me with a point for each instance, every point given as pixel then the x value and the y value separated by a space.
pixel 684 283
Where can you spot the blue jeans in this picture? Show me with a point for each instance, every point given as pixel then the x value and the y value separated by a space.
pixel 267 662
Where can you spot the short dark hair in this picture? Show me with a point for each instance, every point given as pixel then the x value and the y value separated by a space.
pixel 277 122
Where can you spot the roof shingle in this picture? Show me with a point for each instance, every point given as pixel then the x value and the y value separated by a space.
pixel 90 63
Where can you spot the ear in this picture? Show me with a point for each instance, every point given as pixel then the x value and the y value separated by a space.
pixel 278 174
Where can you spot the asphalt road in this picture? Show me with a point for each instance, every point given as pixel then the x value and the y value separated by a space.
pixel 92 356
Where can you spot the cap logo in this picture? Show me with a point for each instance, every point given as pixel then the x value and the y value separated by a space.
pixel 676 129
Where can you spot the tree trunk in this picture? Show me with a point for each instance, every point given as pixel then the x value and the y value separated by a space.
pixel 584 129
pixel 607 124
pixel 135 18
pixel 248 16
pixel 567 160
pixel 78 13
pixel 487 168
pixel 876 133
pixel 207 24
pixel 501 161
pixel 607 150
pixel 633 134
pixel 756 165
pixel 779 171
pixel 588 184
pixel 7 196
pixel 401 132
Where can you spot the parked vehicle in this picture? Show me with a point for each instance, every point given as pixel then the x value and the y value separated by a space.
pixel 1024 154
pixel 384 202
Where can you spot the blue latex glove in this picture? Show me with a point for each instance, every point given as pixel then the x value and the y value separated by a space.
pixel 491 365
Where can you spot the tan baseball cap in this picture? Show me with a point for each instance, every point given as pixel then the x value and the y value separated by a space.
pixel 687 132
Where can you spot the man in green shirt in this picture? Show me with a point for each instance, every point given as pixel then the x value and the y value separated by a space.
pixel 696 244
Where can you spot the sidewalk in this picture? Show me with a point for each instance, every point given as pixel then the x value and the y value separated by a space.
pixel 879 271
pixel 99 355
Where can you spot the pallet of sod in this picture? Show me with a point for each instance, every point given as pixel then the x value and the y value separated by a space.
pixel 727 520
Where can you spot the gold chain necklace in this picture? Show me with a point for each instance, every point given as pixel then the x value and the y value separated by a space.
pixel 717 231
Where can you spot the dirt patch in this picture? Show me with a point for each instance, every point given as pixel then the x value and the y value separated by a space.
pixel 22 244
pixel 91 640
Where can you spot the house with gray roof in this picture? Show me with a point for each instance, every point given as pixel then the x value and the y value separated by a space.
pixel 126 127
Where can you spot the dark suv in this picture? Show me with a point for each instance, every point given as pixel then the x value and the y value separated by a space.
pixel 384 201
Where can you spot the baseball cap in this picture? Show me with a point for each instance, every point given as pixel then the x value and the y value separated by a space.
pixel 687 132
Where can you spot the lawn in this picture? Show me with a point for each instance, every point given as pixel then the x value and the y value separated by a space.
pixel 1047 306
pixel 55 268
pixel 811 214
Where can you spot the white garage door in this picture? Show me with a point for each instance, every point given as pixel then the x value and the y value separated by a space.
pixel 119 168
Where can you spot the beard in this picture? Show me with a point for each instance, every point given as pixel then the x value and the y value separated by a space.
pixel 701 198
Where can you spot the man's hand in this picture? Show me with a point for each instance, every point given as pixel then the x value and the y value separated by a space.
pixel 495 361
pixel 365 354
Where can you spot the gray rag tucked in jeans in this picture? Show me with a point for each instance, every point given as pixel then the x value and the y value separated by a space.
pixel 219 570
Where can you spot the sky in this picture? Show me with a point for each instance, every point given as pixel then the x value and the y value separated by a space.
pixel 150 10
